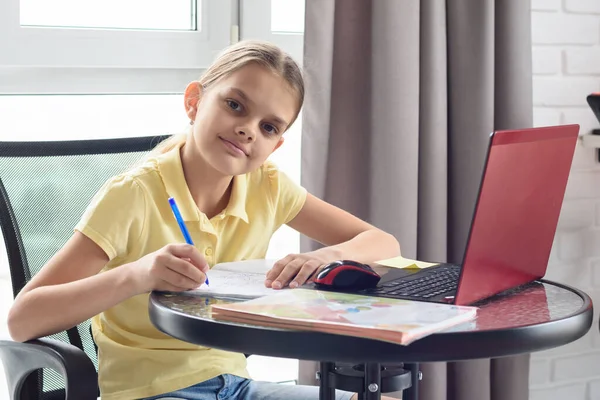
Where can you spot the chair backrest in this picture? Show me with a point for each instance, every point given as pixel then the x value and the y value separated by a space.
pixel 44 190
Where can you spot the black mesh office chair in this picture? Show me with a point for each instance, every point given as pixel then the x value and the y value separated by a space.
pixel 44 189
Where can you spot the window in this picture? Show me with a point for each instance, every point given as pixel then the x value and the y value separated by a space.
pixel 287 16
pixel 73 117
pixel 167 38
pixel 278 21
pixel 133 14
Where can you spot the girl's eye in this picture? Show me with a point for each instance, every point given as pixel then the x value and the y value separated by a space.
pixel 234 105
pixel 270 129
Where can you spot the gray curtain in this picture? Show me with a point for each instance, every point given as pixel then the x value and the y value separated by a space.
pixel 401 98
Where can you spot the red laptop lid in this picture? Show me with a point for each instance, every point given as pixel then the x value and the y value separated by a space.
pixel 516 213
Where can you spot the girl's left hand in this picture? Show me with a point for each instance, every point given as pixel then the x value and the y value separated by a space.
pixel 299 267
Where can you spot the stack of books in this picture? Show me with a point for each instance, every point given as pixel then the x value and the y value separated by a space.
pixel 390 320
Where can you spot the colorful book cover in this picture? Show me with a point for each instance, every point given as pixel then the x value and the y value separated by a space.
pixel 393 320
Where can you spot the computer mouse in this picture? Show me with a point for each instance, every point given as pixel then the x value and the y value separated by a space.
pixel 346 274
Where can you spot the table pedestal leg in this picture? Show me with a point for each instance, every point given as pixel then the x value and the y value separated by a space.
pixel 372 390
pixel 369 385
pixel 412 393
pixel 326 390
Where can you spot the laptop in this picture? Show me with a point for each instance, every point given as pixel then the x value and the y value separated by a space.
pixel 514 221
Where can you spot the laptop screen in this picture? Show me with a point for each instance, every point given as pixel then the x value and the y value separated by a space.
pixel 517 210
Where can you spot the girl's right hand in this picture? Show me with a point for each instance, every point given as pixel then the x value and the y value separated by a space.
pixel 176 267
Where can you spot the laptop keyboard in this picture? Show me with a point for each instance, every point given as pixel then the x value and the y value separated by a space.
pixel 443 278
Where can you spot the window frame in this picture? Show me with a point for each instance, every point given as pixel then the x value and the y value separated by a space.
pixel 255 22
pixel 92 60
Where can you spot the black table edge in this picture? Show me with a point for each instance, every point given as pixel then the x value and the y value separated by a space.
pixel 444 346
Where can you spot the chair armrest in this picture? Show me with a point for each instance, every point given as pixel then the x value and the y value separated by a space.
pixel 20 359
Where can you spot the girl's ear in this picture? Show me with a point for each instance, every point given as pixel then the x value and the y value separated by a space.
pixel 191 98
pixel 278 145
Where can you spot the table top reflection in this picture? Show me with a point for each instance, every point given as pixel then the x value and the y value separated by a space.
pixel 532 304
pixel 533 317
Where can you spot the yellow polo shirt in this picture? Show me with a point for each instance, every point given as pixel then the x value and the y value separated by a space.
pixel 130 217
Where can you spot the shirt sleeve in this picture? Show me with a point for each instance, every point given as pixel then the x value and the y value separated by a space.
pixel 288 197
pixel 114 219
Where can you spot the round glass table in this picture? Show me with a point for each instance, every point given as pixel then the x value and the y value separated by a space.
pixel 534 317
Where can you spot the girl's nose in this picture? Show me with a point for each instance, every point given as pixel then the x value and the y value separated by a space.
pixel 247 133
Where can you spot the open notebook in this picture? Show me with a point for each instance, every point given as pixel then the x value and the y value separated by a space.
pixel 246 279
pixel 391 320
pixel 239 280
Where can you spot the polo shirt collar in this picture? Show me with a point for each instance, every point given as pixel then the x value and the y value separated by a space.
pixel 237 201
pixel 171 171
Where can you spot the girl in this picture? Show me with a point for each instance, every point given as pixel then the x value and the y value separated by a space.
pixel 232 200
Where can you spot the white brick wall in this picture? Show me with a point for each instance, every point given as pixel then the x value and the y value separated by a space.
pixel 566 68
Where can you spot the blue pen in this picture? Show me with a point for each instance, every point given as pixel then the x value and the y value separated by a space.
pixel 186 234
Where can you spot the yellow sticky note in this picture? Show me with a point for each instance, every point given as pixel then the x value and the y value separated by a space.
pixel 407 263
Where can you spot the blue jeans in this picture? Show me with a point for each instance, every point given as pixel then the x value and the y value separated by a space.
pixel 230 387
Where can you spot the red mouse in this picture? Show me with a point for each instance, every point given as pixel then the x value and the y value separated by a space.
pixel 346 274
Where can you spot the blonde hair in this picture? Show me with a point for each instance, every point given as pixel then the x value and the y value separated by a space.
pixel 237 56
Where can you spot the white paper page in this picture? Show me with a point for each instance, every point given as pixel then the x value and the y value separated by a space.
pixel 234 284
pixel 258 266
